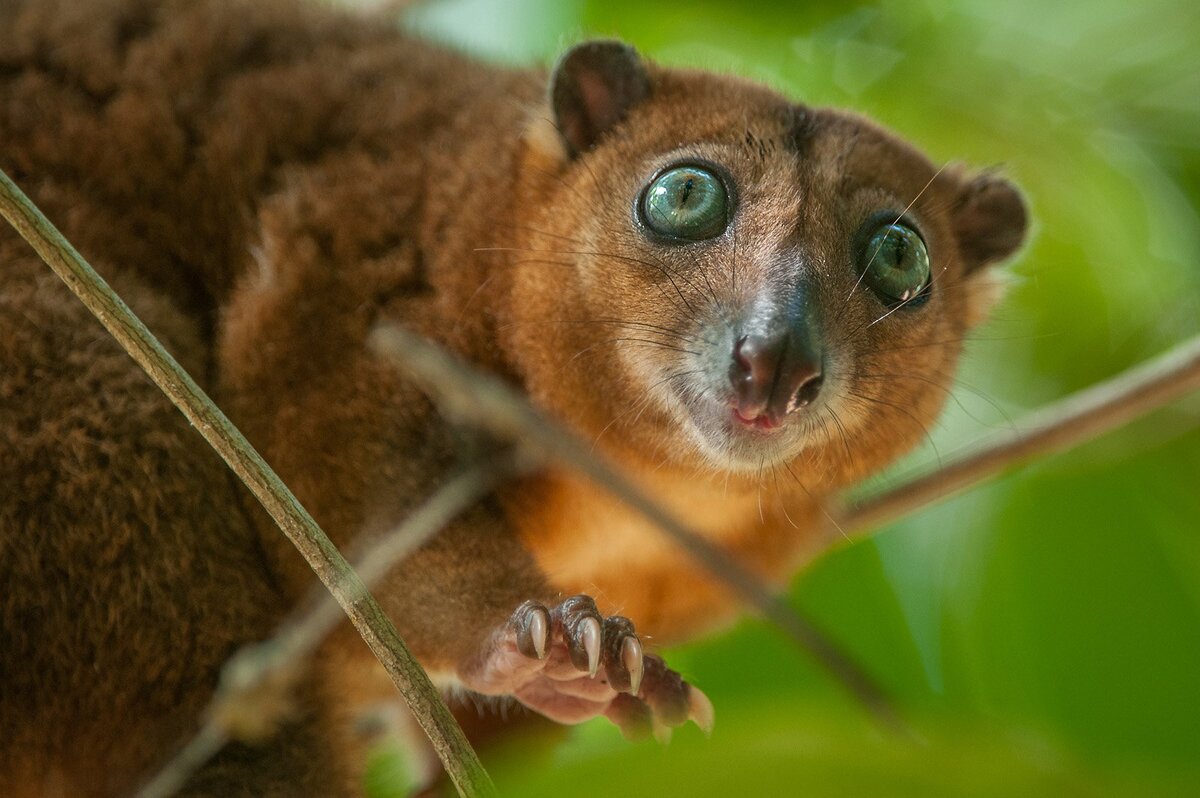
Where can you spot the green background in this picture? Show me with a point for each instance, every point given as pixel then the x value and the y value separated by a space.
pixel 1043 631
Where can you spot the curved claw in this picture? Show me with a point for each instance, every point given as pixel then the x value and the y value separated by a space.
pixel 539 630
pixel 590 635
pixel 700 710
pixel 633 661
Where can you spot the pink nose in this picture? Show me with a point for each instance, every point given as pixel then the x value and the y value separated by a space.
pixel 773 375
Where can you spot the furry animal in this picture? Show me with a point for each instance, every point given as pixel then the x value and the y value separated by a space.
pixel 746 303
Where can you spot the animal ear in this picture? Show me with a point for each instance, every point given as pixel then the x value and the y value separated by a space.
pixel 593 86
pixel 989 220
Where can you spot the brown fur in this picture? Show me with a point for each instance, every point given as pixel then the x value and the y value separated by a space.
pixel 264 182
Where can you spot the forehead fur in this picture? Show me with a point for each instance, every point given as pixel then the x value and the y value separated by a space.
pixel 769 135
pixel 687 106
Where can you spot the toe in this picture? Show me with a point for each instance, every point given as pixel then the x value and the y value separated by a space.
pixel 531 622
pixel 632 716
pixel 622 655
pixel 582 632
pixel 665 691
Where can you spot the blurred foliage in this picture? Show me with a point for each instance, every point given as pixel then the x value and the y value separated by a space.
pixel 388 771
pixel 1044 630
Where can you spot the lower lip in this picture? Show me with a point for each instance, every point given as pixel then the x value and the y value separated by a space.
pixel 763 423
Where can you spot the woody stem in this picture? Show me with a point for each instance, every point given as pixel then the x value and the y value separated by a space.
pixel 1055 428
pixel 331 567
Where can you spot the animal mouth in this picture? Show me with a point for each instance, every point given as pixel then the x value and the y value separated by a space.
pixel 761 422
pixel 738 440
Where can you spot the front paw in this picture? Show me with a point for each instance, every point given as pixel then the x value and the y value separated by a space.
pixel 571 664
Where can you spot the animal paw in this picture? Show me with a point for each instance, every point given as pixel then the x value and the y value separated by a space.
pixel 570 663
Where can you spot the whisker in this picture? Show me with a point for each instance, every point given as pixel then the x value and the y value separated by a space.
pixel 907 208
pixel 467 305
pixel 582 161
pixel 906 412
pixel 878 376
pixel 819 505
pixel 558 178
pixel 963 340
pixel 734 263
pixel 782 500
pixel 608 341
pixel 956 285
pixel 633 325
pixel 644 399
pixel 905 303
pixel 758 479
pixel 666 271
pixel 546 233
pixel 842 431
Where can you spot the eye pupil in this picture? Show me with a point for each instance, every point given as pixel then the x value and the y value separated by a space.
pixel 687 191
pixel 687 203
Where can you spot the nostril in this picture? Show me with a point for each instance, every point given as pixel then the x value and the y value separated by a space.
pixel 807 393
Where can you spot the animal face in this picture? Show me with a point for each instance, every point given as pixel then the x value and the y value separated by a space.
pixel 760 281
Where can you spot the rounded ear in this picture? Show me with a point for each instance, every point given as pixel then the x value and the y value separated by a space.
pixel 989 220
pixel 593 86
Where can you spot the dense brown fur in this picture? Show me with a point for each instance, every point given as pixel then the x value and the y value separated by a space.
pixel 265 182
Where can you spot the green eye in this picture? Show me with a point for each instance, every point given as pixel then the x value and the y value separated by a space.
pixel 896 263
pixel 686 202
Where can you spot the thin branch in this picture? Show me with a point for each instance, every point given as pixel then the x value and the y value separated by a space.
pixel 1055 428
pixel 257 674
pixel 377 630
pixel 474 398
pixel 173 776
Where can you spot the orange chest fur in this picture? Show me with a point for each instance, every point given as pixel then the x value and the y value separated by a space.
pixel 586 541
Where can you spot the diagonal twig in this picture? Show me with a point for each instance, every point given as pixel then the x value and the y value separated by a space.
pixel 264 670
pixel 376 628
pixel 472 397
pixel 1055 428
